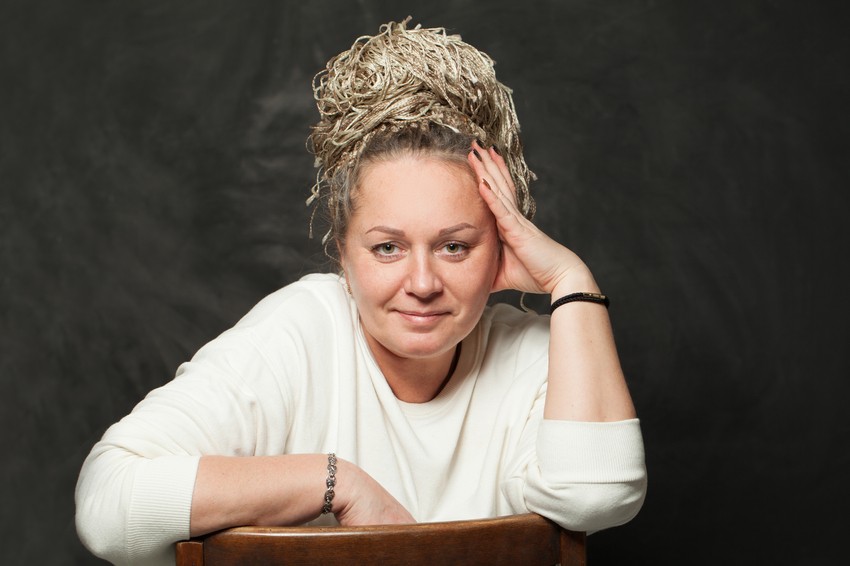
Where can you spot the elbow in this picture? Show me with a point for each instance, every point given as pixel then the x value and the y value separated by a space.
pixel 591 476
pixel 589 507
pixel 100 517
pixel 604 506
pixel 131 509
pixel 98 530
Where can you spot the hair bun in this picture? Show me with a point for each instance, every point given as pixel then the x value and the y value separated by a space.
pixel 402 77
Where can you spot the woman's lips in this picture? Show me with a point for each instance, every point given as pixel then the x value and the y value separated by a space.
pixel 422 318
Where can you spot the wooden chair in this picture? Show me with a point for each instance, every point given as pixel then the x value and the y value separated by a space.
pixel 518 540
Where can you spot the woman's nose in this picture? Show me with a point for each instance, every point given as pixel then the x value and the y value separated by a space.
pixel 422 279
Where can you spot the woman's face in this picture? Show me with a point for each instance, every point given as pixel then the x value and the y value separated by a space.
pixel 420 255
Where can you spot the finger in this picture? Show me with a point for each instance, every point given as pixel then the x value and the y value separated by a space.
pixel 488 188
pixel 495 182
pixel 485 157
pixel 502 206
pixel 495 165
pixel 499 180
pixel 510 223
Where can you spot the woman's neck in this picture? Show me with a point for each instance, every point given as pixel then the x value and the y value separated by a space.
pixel 415 380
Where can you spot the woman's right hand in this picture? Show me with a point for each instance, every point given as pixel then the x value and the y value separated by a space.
pixel 363 501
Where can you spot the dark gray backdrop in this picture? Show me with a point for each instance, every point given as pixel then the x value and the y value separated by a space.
pixel 152 185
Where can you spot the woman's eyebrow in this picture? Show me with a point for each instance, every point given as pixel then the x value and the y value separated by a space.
pixel 456 228
pixel 400 233
pixel 386 230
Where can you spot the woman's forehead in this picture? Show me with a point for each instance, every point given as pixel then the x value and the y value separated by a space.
pixel 414 188
pixel 453 163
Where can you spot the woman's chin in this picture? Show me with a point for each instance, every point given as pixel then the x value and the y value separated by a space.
pixel 420 347
pixel 423 352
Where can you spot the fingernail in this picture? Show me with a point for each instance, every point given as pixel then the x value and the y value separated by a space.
pixel 496 149
pixel 475 151
pixel 479 142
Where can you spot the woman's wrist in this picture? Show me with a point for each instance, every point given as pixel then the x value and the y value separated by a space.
pixel 330 484
pixel 346 484
pixel 577 280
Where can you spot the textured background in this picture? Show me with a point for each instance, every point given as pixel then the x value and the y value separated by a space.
pixel 695 154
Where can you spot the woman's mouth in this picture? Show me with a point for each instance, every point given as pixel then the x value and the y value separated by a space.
pixel 422 318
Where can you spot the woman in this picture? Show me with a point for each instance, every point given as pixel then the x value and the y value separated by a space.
pixel 390 393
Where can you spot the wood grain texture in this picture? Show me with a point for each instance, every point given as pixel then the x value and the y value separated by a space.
pixel 526 539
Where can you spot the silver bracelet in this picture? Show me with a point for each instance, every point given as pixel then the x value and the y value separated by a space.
pixel 330 483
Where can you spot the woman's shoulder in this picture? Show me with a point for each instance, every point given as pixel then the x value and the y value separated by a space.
pixel 283 327
pixel 310 309
pixel 511 321
pixel 305 300
pixel 509 332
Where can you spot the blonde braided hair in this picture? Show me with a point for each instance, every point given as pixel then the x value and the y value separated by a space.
pixel 401 79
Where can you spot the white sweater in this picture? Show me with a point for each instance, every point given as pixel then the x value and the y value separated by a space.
pixel 295 375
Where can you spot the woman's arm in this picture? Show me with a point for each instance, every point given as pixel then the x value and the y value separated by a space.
pixel 285 490
pixel 587 470
pixel 147 483
pixel 586 382
pixel 132 508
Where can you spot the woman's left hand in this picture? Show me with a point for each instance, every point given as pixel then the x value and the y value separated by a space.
pixel 531 261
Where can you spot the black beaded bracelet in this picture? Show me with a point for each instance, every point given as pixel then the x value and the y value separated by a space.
pixel 584 297
pixel 330 483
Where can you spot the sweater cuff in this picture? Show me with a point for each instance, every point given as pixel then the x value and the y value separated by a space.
pixel 590 452
pixel 160 504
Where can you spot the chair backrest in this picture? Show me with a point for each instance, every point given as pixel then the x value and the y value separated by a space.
pixel 528 540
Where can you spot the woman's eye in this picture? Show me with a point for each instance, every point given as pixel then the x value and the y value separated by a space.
pixel 454 248
pixel 387 248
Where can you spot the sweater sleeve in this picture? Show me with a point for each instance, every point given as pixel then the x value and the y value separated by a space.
pixel 249 392
pixel 134 493
pixel 587 476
